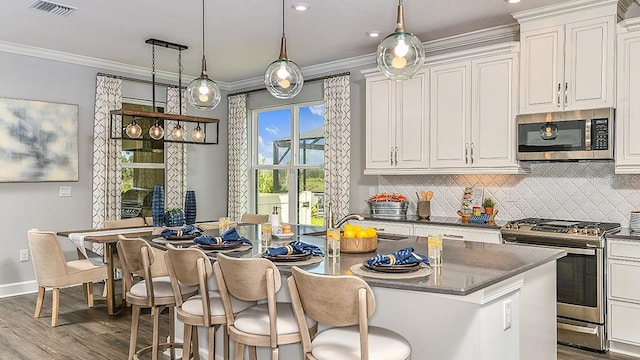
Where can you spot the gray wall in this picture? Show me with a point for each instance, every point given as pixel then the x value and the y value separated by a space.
pixel 37 205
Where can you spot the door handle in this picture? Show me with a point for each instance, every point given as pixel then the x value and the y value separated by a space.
pixel 396 156
pixel 466 153
pixel 471 153
pixel 391 156
pixel 559 87
pixel 566 90
pixel 580 329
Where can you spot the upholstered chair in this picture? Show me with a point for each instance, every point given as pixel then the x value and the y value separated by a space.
pixel 254 218
pixel 342 305
pixel 53 271
pixel 153 291
pixel 268 324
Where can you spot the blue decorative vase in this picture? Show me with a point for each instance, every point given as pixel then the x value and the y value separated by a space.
pixel 190 207
pixel 157 206
pixel 174 217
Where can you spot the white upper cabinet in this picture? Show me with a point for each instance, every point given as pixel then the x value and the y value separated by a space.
pixel 568 57
pixel 396 124
pixel 472 112
pixel 628 111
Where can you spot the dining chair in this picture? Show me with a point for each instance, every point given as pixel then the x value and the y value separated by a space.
pixel 53 271
pixel 267 324
pixel 153 291
pixel 192 267
pixel 254 218
pixel 342 305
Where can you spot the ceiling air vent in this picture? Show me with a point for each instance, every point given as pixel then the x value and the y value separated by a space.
pixel 52 8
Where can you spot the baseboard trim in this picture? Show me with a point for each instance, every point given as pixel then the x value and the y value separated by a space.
pixel 19 288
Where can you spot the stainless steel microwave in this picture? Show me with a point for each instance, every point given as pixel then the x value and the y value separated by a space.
pixel 566 135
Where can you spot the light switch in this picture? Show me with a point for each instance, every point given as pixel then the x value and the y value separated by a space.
pixel 65 191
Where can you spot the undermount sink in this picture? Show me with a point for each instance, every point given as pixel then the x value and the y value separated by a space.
pixel 381 236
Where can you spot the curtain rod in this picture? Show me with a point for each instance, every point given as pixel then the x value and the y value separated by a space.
pixel 137 80
pixel 306 81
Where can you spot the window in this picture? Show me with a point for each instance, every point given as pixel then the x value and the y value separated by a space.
pixel 288 162
pixel 142 167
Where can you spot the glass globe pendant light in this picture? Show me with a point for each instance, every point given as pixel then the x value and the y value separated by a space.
pixel 197 134
pixel 178 132
pixel 203 93
pixel 133 130
pixel 283 78
pixel 156 131
pixel 400 55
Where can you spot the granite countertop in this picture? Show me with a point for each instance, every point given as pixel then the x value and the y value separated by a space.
pixel 626 234
pixel 436 220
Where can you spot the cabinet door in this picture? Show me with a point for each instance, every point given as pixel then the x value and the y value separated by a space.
pixel 628 111
pixel 459 233
pixel 541 70
pixel 387 227
pixel 589 64
pixel 450 110
pixel 493 117
pixel 412 127
pixel 380 117
pixel 623 320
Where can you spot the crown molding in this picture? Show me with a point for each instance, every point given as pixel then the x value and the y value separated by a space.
pixel 630 25
pixel 475 53
pixel 503 33
pixel 568 7
pixel 101 64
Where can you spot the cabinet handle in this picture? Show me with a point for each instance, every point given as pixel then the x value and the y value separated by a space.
pixel 559 87
pixel 396 155
pixel 566 90
pixel 391 156
pixel 472 153
pixel 453 236
pixel 466 153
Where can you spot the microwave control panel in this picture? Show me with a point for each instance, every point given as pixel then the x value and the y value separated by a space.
pixel 600 134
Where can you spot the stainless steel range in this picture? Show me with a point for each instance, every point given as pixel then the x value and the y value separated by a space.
pixel 581 287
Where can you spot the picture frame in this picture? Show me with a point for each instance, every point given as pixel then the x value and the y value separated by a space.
pixel 38 141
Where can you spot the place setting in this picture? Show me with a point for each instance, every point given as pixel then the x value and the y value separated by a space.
pixel 229 241
pixel 294 253
pixel 178 237
pixel 402 264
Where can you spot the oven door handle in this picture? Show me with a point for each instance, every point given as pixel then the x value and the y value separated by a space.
pixel 580 329
pixel 569 250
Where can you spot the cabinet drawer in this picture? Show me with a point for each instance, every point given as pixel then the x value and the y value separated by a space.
pixel 387 227
pixel 624 319
pixel 459 233
pixel 623 249
pixel 623 279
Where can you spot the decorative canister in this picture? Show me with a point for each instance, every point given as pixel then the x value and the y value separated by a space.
pixel 190 207
pixel 174 217
pixel 157 206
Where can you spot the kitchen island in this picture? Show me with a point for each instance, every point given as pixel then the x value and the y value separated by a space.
pixel 487 301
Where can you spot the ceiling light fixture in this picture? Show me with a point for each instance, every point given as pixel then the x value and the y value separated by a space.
pixel 373 34
pixel 133 130
pixel 202 92
pixel 400 55
pixel 197 134
pixel 512 1
pixel 301 6
pixel 283 77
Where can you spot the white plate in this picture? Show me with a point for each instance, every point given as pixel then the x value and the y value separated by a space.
pixel 284 236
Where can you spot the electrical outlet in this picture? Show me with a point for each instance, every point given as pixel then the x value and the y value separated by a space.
pixel 24 255
pixel 65 191
pixel 506 323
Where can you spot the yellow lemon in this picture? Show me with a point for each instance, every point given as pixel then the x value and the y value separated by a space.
pixel 349 227
pixel 357 228
pixel 370 232
pixel 361 234
pixel 348 234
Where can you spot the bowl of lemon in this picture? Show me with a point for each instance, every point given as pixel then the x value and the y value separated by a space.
pixel 357 240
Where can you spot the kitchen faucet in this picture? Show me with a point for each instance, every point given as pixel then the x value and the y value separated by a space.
pixel 332 225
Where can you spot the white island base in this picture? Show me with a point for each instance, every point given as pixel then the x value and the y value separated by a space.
pixel 452 327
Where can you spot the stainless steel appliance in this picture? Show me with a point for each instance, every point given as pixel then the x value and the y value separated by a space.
pixel 566 135
pixel 581 281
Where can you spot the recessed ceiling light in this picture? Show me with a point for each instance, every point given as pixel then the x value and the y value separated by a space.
pixel 301 6
pixel 373 34
pixel 512 1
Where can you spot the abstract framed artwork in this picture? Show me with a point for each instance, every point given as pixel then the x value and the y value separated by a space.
pixel 38 141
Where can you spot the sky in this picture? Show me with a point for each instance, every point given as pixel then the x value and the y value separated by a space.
pixel 276 124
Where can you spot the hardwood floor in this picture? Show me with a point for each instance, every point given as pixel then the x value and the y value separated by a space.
pixel 86 333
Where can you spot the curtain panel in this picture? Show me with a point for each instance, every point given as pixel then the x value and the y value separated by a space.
pixel 238 135
pixel 107 153
pixel 175 154
pixel 337 152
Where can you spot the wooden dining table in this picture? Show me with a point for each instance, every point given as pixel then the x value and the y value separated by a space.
pixel 109 246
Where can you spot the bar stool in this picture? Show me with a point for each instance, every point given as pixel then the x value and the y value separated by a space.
pixel 267 324
pixel 154 291
pixel 343 304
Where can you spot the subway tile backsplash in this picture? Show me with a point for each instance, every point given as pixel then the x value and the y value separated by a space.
pixel 571 190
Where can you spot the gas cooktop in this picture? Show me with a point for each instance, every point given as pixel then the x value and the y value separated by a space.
pixel 565 231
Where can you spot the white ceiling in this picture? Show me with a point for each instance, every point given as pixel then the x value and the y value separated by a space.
pixel 242 36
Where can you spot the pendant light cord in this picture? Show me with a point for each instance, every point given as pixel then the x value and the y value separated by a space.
pixel 282 18
pixel 203 52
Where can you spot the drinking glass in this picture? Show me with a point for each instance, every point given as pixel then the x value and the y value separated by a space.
pixel 333 242
pixel 435 249
pixel 265 236
pixel 224 224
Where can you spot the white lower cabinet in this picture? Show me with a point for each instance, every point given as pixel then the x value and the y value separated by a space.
pixel 459 233
pixel 388 227
pixel 623 265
